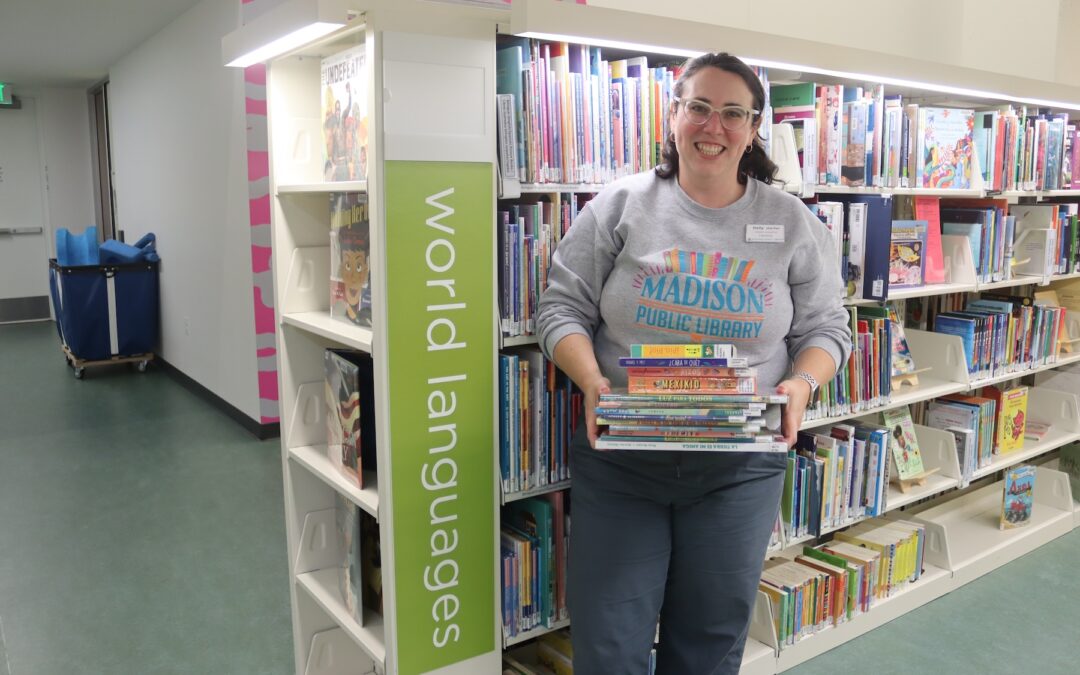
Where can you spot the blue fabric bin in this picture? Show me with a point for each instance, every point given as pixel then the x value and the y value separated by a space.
pixel 106 310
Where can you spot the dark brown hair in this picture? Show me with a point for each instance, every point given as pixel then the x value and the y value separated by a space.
pixel 755 163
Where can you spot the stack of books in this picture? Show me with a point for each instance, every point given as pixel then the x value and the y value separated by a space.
pixel 687 397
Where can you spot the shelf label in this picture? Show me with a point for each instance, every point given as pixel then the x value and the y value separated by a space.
pixel 440 344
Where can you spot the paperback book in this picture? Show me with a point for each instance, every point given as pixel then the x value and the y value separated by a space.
pixel 907 253
pixel 350 270
pixel 903 443
pixel 344 114
pixel 1019 497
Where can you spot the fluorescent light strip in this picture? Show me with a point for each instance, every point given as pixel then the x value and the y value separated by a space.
pixel 298 37
pixel 879 79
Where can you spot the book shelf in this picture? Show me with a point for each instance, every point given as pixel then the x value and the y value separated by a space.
pixel 424 108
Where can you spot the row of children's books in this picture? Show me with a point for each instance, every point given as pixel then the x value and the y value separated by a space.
pixel 851 136
pixel 879 353
pixel 834 582
pixel 846 135
pixel 1001 334
pixel 566 115
pixel 539 410
pixel 533 549
pixel 887 243
pixel 528 233
pixel 992 423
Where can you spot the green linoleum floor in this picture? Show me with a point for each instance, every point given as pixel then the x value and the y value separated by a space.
pixel 141 529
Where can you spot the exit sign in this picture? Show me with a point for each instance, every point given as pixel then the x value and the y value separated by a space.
pixel 5 93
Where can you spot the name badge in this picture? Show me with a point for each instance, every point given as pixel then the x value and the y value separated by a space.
pixel 771 234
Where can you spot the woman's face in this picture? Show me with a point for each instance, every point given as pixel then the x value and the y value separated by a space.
pixel 710 151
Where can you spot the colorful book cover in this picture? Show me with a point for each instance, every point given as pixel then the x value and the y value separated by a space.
pixel 350 412
pixel 903 443
pixel 1019 497
pixel 902 361
pixel 344 111
pixel 946 147
pixel 907 257
pixel 350 247
pixel 704 385
pixel 1012 419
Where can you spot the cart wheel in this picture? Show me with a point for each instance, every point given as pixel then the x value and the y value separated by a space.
pixel 142 366
pixel 79 372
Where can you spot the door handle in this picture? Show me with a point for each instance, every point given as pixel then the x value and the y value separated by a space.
pixel 20 230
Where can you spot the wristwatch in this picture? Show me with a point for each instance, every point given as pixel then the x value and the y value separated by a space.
pixel 809 379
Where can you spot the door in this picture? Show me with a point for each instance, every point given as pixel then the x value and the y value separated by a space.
pixel 24 257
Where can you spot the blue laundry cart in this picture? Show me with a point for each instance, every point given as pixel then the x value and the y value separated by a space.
pixel 106 313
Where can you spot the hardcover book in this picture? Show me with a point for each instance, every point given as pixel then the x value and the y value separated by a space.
pixel 344 114
pixel 371 563
pixel 350 412
pixel 350 270
pixel 945 148
pixel 1019 497
pixel 903 443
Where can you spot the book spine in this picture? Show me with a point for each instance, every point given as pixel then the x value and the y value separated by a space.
pixel 690 372
pixel 704 385
pixel 674 351
pixel 683 363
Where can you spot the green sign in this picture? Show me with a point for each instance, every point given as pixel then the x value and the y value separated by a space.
pixel 5 93
pixel 440 328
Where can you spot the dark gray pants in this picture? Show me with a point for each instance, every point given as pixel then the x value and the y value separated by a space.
pixel 679 536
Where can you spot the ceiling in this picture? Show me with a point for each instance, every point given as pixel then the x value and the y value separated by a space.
pixel 70 43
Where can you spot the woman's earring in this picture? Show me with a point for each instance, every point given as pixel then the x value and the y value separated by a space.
pixel 749 148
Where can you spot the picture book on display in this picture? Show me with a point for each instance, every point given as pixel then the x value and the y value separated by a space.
pixel 907 253
pixel 1019 497
pixel 945 147
pixel 344 111
pixel 350 249
pixel 903 443
pixel 350 412
pixel 371 563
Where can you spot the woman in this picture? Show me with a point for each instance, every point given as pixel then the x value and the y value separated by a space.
pixel 701 250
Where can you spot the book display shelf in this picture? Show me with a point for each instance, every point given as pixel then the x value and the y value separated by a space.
pixel 432 192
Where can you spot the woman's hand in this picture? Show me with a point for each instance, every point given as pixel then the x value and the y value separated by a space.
pixel 791 414
pixel 595 387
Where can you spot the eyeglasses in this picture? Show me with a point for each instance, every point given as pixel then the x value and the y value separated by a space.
pixel 732 117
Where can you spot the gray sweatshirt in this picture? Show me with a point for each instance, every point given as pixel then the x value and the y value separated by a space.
pixel 644 263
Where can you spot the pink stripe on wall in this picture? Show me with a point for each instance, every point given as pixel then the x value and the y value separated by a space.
pixel 259 208
pixel 260 258
pixel 255 107
pixel 258 162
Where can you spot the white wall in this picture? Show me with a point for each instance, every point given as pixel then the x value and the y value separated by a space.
pixel 180 171
pixel 64 124
pixel 999 36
